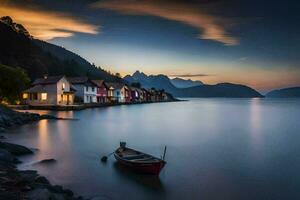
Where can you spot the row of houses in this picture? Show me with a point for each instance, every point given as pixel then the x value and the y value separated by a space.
pixel 62 90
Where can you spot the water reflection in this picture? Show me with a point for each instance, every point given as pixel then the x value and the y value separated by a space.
pixel 149 182
pixel 43 137
pixel 256 124
pixel 217 149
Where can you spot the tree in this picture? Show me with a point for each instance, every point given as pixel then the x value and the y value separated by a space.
pixel 12 82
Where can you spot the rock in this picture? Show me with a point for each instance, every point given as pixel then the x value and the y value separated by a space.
pixel 6 156
pixel 56 196
pixel 46 161
pixel 15 149
pixel 39 194
pixel 41 180
pixel 29 175
pixel 57 189
pixel 68 192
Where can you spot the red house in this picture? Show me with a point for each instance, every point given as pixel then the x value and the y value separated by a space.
pixel 102 91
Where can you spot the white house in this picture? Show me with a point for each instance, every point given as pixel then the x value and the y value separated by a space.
pixel 52 90
pixel 86 89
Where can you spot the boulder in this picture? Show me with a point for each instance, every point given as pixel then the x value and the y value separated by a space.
pixel 39 194
pixel 57 189
pixel 6 156
pixel 29 175
pixel 68 192
pixel 56 196
pixel 46 161
pixel 15 149
pixel 42 180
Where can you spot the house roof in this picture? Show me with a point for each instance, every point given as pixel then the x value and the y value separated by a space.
pixel 42 88
pixel 115 85
pixel 48 80
pixel 99 83
pixel 36 89
pixel 81 80
pixel 78 80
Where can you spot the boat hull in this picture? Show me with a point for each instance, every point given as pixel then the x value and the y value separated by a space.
pixel 146 168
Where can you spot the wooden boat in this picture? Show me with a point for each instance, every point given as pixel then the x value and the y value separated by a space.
pixel 139 161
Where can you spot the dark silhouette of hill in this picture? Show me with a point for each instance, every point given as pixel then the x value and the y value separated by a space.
pixel 218 90
pixel 293 92
pixel 37 58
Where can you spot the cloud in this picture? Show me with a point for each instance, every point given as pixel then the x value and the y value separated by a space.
pixel 47 25
pixel 190 75
pixel 210 27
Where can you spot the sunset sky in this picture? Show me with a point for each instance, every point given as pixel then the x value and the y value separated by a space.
pixel 251 42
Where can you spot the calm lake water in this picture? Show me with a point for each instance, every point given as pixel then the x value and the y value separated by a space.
pixel 216 149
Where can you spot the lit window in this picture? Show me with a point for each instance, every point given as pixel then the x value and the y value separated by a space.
pixel 25 95
pixel 63 86
pixel 44 96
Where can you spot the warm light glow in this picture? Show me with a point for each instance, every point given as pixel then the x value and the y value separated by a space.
pixel 65 98
pixel 63 86
pixel 44 96
pixel 25 95
pixel 46 25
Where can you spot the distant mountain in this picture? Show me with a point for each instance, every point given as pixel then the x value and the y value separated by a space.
pixel 183 83
pixel 19 49
pixel 158 81
pixel 218 90
pixel 293 92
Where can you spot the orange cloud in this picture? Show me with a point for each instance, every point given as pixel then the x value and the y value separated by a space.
pixel 47 25
pixel 210 27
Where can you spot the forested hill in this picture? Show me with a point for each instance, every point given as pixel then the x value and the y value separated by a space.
pixel 37 58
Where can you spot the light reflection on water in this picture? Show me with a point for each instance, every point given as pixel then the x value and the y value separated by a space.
pixel 217 149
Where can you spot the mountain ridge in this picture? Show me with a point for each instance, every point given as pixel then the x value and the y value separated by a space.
pixel 290 92
pixel 185 83
pixel 217 90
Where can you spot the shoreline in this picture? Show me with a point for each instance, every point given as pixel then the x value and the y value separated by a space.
pixel 82 106
pixel 25 184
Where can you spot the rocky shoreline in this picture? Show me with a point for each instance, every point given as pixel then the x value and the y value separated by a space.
pixel 10 118
pixel 24 184
pixel 28 184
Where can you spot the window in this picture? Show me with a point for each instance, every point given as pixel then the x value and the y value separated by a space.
pixel 93 89
pixel 44 96
pixel 63 86
pixel 25 95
